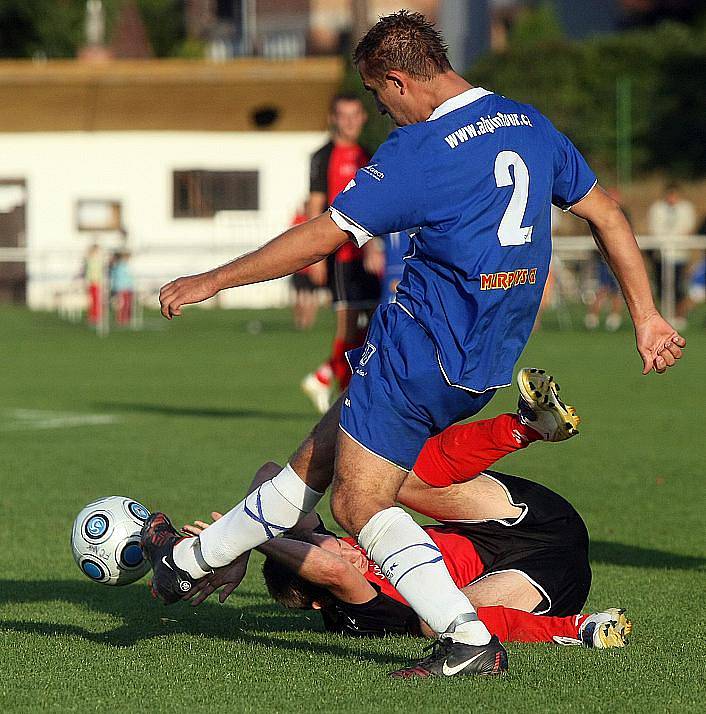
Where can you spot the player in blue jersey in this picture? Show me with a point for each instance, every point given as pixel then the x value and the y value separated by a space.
pixel 395 246
pixel 477 173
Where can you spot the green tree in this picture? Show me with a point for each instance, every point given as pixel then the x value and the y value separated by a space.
pixel 30 28
pixel 55 28
pixel 574 84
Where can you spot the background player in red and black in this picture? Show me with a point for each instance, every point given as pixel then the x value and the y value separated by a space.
pixel 354 290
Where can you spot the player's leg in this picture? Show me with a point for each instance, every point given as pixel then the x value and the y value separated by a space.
pixel 460 452
pixel 269 509
pixel 509 589
pixel 347 338
pixel 396 398
pixel 362 501
pixel 600 630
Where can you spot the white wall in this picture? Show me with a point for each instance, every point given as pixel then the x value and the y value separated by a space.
pixel 135 168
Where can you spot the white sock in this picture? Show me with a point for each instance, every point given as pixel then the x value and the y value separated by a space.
pixel 187 556
pixel 269 510
pixel 413 563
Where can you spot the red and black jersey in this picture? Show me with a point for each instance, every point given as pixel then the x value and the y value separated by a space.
pixel 462 560
pixel 547 543
pixel 332 168
pixel 388 612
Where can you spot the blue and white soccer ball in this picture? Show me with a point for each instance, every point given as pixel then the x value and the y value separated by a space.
pixel 105 540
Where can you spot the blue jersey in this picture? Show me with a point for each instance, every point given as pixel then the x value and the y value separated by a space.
pixel 478 178
pixel 396 247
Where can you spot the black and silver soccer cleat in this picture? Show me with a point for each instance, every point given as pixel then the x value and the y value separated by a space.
pixel 541 409
pixel 158 538
pixel 449 658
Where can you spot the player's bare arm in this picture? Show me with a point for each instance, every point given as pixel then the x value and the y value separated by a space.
pixel 658 343
pixel 296 248
pixel 315 206
pixel 316 564
pixel 321 567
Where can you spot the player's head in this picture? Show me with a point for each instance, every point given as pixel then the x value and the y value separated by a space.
pixel 347 116
pixel 672 192
pixel 399 55
pixel 291 590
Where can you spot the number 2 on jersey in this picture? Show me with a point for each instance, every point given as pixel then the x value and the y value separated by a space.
pixel 510 230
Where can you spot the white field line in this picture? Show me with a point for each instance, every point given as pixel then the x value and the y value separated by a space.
pixel 29 419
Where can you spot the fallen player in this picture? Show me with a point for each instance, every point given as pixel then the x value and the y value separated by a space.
pixel 517 550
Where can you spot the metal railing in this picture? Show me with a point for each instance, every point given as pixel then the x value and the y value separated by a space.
pixel 51 272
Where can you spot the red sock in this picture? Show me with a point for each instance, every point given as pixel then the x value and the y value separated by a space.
pixel 518 626
pixel 339 363
pixel 462 451
pixel 324 374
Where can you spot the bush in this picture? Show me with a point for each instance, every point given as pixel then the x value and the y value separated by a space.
pixel 575 84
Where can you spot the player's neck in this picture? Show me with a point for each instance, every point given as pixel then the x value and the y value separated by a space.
pixel 341 141
pixel 445 87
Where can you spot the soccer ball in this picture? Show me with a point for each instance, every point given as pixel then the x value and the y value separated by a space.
pixel 105 540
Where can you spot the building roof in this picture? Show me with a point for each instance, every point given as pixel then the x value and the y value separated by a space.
pixel 168 95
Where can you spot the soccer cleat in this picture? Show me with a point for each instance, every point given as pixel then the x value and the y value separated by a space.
pixel 613 322
pixel 158 538
pixel 449 658
pixel 604 630
pixel 540 408
pixel 318 392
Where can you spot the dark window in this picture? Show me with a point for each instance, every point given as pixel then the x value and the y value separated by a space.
pixel 225 9
pixel 200 194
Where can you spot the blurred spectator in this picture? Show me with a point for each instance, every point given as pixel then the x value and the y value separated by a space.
pixel 696 293
pixel 385 258
pixel 355 292
pixel 122 287
pixel 93 274
pixel 608 289
pixel 672 215
pixel 306 291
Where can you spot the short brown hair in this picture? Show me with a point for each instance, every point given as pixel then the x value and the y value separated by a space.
pixel 343 97
pixel 406 41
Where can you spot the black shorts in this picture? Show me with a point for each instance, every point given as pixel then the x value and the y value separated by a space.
pixel 547 544
pixel 303 283
pixel 352 287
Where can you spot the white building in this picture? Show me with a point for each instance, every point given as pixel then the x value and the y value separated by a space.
pixel 185 164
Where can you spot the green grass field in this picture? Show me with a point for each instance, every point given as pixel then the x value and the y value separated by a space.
pixel 180 415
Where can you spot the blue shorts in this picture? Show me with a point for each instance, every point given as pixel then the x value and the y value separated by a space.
pixel 398 397
pixel 606 279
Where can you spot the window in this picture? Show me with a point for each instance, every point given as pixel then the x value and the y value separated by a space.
pixel 200 194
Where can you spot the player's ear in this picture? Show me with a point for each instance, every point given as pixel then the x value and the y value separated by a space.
pixel 397 80
pixel 316 605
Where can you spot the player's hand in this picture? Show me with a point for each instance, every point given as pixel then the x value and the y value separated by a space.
pixel 197 526
pixel 228 578
pixel 374 259
pixel 658 343
pixel 185 291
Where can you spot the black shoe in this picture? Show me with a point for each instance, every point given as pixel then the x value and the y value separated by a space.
pixel 449 658
pixel 158 538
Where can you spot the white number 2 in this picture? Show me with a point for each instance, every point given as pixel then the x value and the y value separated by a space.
pixel 510 230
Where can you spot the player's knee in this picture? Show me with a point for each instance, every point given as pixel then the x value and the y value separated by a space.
pixel 341 510
pixel 351 511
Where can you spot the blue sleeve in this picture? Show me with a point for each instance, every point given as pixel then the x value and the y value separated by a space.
pixel 388 195
pixel 573 177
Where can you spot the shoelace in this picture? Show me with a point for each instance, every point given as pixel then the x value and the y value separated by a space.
pixel 435 649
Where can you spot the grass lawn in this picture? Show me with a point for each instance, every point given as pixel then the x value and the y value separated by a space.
pixel 180 415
